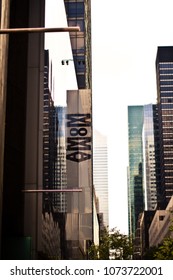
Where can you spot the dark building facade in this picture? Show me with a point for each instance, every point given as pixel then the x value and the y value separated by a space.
pixel 141 242
pixel 21 213
pixel 54 216
pixel 79 14
pixel 138 192
pixel 157 145
pixel 31 229
pixel 164 75
pixel 161 156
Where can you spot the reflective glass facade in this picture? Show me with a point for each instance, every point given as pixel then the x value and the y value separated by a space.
pixel 144 161
pixel 59 199
pixel 135 180
pixel 150 178
pixel 164 75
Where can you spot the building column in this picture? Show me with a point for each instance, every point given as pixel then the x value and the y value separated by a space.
pixel 34 128
pixel 4 8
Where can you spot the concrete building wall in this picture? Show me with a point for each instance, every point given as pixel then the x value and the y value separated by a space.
pixel 159 228
pixel 34 127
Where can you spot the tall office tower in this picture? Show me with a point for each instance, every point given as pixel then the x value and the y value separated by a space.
pixel 49 138
pixel 51 232
pixel 135 180
pixel 149 152
pixel 164 76
pixel 100 174
pixel 144 147
pixel 79 14
pixel 59 199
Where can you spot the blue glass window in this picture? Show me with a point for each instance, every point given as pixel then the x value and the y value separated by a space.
pixel 169 71
pixel 167 82
pixel 75 9
pixel 166 88
pixel 166 94
pixel 167 106
pixel 80 63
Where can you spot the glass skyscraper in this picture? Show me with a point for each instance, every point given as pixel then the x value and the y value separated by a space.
pixel 135 180
pixel 144 161
pixel 100 174
pixel 59 199
pixel 149 151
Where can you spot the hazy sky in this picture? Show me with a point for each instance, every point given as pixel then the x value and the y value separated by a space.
pixel 125 36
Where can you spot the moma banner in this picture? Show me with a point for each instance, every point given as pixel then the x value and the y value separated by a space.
pixel 79 167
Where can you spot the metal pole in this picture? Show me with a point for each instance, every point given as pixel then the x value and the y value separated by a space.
pixel 39 30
